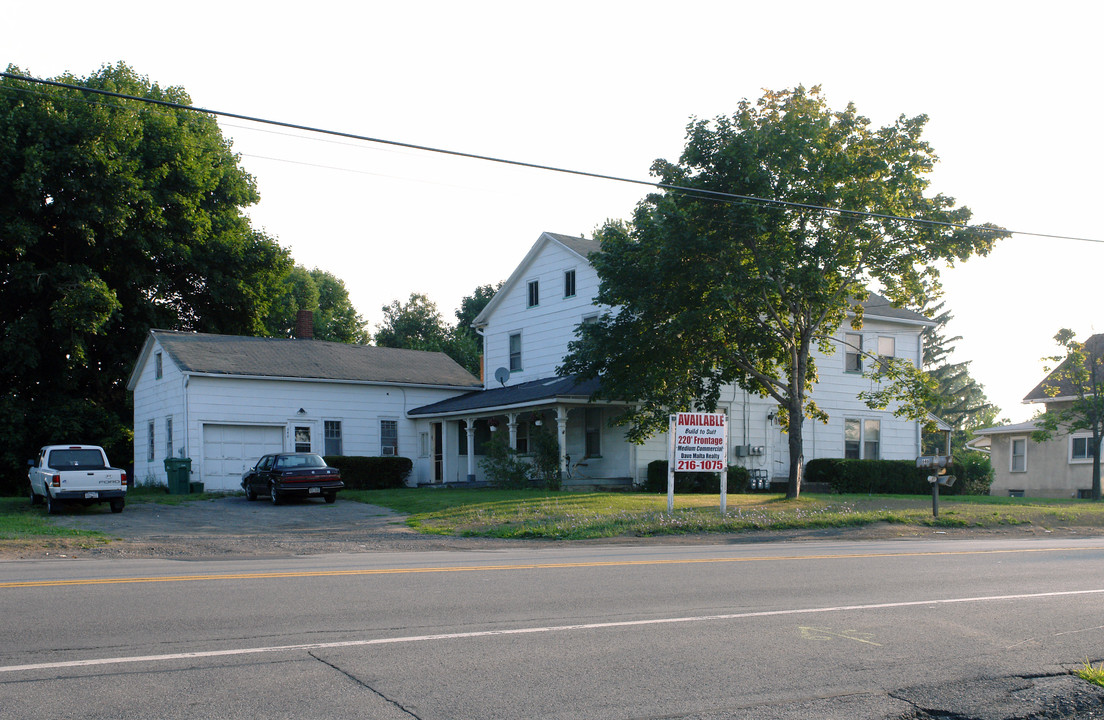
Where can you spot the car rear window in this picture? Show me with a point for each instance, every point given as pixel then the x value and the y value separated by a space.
pixel 76 460
pixel 289 462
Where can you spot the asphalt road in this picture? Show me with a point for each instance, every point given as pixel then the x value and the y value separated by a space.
pixel 788 630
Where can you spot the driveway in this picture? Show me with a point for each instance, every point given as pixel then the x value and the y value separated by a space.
pixel 233 527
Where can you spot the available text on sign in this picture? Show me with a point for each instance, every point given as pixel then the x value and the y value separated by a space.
pixel 700 442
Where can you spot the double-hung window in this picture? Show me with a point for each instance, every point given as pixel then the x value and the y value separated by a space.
pixel 151 447
pixel 1018 459
pixel 852 352
pixel 569 283
pixel 515 352
pixel 168 437
pixel 389 437
pixel 862 439
pixel 331 435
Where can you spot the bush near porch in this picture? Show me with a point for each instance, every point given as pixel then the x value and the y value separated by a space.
pixel 371 473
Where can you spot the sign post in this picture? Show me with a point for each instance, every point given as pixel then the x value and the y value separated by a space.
pixel 699 443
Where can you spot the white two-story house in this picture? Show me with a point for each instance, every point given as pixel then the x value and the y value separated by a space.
pixel 526 329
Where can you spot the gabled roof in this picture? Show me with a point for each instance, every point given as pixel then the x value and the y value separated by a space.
pixel 578 245
pixel 875 306
pixel 1094 348
pixel 534 392
pixel 235 355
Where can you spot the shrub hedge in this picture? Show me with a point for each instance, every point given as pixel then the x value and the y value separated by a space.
pixel 371 473
pixel 897 477
pixel 695 482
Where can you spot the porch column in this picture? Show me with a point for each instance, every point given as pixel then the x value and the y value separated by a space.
pixel 512 424
pixel 561 435
pixel 469 426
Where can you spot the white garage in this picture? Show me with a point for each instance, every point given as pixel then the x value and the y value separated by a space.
pixel 229 449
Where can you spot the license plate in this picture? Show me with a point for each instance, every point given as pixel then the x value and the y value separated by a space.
pixel 315 491
pixel 91 494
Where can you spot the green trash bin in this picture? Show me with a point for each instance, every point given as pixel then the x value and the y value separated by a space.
pixel 179 471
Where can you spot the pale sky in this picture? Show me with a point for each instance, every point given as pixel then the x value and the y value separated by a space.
pixel 1011 89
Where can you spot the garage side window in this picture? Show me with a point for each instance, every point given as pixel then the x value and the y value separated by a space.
pixel 389 437
pixel 332 432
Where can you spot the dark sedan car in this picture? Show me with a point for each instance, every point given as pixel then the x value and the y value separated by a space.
pixel 286 475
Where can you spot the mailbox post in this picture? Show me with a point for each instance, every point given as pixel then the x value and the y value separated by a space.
pixel 938 465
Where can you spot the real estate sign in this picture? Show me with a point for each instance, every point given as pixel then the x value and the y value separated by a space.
pixel 699 443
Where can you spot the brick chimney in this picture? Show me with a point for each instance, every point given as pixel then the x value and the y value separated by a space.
pixel 304 325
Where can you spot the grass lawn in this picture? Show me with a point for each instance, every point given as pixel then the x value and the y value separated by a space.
pixel 20 520
pixel 576 516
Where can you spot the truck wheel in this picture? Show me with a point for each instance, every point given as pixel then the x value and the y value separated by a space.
pixel 330 497
pixel 36 499
pixel 53 506
pixel 274 494
pixel 117 506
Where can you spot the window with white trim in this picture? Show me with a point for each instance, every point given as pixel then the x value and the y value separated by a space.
pixel 862 439
pixel 852 352
pixel 872 439
pixel 569 283
pixel 389 437
pixel 887 346
pixel 534 293
pixel 158 366
pixel 151 449
pixel 168 437
pixel 331 437
pixel 515 352
pixel 1018 455
pixel 522 443
pixel 1080 449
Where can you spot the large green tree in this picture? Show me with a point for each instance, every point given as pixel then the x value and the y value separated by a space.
pixel 1075 387
pixel 711 289
pixel 418 324
pixel 957 398
pixel 324 294
pixel 115 217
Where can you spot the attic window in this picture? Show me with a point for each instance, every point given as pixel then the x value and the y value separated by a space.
pixel 534 293
pixel 159 370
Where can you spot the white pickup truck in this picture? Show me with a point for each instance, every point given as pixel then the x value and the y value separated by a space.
pixel 75 473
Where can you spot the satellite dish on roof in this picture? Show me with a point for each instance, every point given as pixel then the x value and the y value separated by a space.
pixel 502 375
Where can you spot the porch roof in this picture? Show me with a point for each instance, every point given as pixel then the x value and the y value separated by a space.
pixel 534 392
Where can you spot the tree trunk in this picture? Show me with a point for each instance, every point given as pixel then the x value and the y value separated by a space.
pixel 797 455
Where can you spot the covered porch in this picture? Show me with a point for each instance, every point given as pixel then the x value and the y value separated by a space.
pixel 591 454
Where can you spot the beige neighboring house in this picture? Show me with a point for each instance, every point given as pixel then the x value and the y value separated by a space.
pixel 1058 468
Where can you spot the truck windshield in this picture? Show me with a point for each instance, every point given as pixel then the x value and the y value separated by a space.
pixel 76 460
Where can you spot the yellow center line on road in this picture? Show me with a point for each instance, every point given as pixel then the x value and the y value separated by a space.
pixel 518 566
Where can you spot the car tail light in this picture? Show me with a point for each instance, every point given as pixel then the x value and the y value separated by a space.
pixel 56 480
pixel 122 479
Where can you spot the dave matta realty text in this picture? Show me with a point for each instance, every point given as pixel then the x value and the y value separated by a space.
pixel 699 442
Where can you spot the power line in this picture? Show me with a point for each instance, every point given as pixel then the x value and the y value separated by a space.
pixel 707 194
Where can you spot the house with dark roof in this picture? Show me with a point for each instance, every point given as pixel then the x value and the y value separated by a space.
pixel 1057 468
pixel 224 401
pixel 527 326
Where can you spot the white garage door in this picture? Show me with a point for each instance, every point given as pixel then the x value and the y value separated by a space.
pixel 229 449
